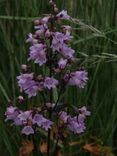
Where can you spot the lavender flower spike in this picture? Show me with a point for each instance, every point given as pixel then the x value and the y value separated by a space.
pixel 51 52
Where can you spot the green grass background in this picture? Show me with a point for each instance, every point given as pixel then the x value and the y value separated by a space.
pixel 95 42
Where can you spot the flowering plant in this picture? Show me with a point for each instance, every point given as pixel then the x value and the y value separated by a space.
pixel 50 49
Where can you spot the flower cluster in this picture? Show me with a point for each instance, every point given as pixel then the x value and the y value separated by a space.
pixel 75 124
pixel 31 87
pixel 51 49
pixel 28 119
pixel 58 44
pixel 27 84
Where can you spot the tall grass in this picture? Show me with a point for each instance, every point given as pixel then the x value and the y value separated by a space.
pixel 95 31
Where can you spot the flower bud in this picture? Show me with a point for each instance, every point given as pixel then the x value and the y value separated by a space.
pixel 24 67
pixel 37 22
pixel 39 77
pixel 20 99
pixel 56 10
pixel 48 33
pixel 51 2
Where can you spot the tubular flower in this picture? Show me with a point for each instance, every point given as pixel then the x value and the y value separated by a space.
pixel 63 15
pixel 78 78
pixel 42 121
pixel 27 84
pixel 27 130
pixel 75 124
pixel 50 82
pixel 62 63
pixel 38 54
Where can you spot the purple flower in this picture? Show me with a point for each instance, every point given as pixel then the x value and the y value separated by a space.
pixel 46 124
pixel 38 119
pixel 27 130
pixel 40 29
pixel 50 82
pixel 66 29
pixel 11 113
pixel 38 54
pixel 63 15
pixel 31 39
pixel 42 121
pixel 59 36
pixel 62 63
pixel 18 122
pixel 45 20
pixel 76 127
pixel 67 37
pixel 75 124
pixel 64 117
pixel 27 84
pixel 23 116
pixel 78 78
pixel 59 40
pixel 67 52
pixel 56 45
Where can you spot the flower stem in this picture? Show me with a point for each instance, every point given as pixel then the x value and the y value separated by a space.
pixel 48 141
pixel 50 74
